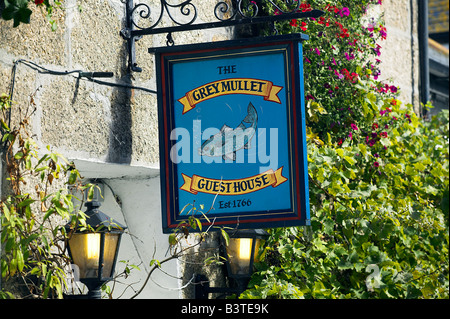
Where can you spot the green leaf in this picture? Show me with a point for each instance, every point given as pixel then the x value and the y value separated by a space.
pixel 6 211
pixel 13 266
pixel 173 240
pixel 18 155
pixel 199 224
pixel 91 192
pixel 73 177
pixel 225 236
pixel 28 162
pixel 4 125
pixel 363 149
pixel 350 160
pixel 321 175
pixel 410 170
pixel 155 261
pixel 17 10
pixel 26 202
pixel 20 260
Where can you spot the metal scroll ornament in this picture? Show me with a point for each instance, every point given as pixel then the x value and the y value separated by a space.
pixel 176 13
pixel 142 20
pixel 227 10
pixel 186 13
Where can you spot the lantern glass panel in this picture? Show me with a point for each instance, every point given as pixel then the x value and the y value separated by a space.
pixel 85 251
pixel 111 240
pixel 239 253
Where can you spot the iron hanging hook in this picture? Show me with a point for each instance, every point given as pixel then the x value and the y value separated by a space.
pixel 274 28
pixel 169 41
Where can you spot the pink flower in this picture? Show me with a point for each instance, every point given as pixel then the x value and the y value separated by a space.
pixel 350 135
pixel 317 51
pixel 376 164
pixel 344 12
pixel 377 50
pixel 349 57
pixel 383 134
pixel 354 127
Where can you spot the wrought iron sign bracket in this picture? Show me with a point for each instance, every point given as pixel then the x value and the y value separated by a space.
pixel 140 20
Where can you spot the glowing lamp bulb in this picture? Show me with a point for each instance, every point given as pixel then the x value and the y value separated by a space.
pixel 93 245
pixel 245 248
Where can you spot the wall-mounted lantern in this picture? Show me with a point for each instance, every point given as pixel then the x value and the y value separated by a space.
pixel 94 250
pixel 240 254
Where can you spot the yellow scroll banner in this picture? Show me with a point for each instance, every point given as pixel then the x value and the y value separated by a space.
pixel 247 185
pixel 211 90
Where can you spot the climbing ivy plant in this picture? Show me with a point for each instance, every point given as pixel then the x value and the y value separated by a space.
pixel 378 175
pixel 36 205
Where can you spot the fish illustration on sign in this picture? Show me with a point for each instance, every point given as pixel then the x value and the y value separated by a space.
pixel 228 140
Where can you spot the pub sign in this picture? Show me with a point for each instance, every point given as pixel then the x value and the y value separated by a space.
pixel 232 133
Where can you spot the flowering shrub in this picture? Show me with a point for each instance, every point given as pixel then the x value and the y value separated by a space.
pixel 378 176
pixel 340 54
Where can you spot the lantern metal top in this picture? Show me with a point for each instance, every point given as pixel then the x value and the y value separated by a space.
pixel 249 233
pixel 99 220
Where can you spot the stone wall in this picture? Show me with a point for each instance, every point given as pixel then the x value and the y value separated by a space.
pixel 400 50
pixel 89 120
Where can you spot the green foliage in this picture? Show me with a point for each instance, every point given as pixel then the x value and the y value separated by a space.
pixel 32 238
pixel 378 178
pixel 19 11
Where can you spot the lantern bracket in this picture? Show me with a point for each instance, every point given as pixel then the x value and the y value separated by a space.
pixel 203 289
pixel 238 282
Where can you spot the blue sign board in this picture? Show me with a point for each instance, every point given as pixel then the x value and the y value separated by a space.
pixel 232 133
